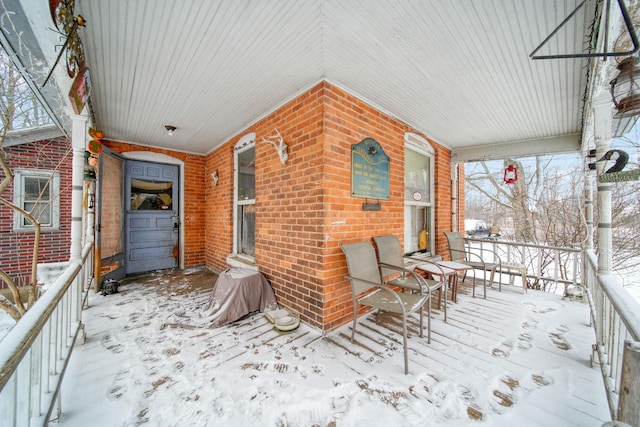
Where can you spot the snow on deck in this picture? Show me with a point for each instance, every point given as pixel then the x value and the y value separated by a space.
pixel 511 359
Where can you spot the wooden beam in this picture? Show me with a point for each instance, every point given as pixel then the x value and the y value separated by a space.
pixel 559 144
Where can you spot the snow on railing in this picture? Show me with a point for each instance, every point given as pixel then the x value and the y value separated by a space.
pixel 546 266
pixel 35 352
pixel 616 319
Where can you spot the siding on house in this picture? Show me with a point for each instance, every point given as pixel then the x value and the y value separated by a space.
pixel 17 247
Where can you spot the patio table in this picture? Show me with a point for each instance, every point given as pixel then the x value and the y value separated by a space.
pixel 458 267
pixel 449 276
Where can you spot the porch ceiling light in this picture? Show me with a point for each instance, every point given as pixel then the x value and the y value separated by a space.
pixel 625 88
pixel 170 129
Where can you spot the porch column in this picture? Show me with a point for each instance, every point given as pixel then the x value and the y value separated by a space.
pixel 602 128
pixel 78 142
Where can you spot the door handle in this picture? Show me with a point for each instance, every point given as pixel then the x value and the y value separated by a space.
pixel 176 223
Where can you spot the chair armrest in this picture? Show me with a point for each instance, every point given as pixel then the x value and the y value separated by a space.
pixel 405 271
pixel 382 286
pixel 495 254
pixel 468 255
pixel 403 300
pixel 424 286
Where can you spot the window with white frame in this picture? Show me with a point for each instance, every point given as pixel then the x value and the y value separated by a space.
pixel 418 194
pixel 244 228
pixel 37 192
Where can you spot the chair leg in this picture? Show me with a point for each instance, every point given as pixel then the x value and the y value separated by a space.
pixel 422 317
pixel 484 283
pixel 445 302
pixel 404 338
pixel 355 319
pixel 428 322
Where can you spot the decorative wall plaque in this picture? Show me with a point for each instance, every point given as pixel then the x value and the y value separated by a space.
pixel 369 170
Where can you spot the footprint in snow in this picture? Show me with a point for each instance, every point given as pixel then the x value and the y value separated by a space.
pixel 503 349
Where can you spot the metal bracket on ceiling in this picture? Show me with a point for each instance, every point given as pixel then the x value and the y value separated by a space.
pixel 604 54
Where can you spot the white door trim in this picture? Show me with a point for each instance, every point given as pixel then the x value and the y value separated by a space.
pixel 149 156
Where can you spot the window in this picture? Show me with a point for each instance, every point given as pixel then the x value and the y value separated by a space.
pixel 418 194
pixel 151 195
pixel 37 192
pixel 245 197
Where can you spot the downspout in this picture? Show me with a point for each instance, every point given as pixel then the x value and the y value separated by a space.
pixel 602 128
pixel 90 229
pixel 78 143
pixel 454 196
pixel 588 209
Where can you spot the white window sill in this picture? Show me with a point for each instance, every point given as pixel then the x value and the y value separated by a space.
pixel 236 261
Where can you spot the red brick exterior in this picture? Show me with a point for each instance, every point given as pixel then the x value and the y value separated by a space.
pixel 17 247
pixel 304 209
pixel 194 194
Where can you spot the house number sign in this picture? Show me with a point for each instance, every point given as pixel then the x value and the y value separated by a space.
pixel 369 170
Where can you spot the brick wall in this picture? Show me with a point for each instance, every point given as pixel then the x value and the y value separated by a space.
pixel 17 248
pixel 304 209
pixel 194 196
pixel 348 120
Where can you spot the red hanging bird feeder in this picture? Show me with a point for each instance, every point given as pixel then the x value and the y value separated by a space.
pixel 510 174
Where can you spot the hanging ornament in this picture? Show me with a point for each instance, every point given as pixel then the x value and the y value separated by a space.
pixel 510 174
pixel 95 146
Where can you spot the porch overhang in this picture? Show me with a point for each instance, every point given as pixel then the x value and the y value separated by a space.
pixel 513 149
pixel 460 75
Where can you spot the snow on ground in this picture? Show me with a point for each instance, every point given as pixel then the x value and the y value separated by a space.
pixel 150 359
pixel 6 323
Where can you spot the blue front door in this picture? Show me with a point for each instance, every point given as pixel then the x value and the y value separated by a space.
pixel 152 216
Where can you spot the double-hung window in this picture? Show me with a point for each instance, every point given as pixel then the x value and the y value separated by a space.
pixel 37 192
pixel 418 195
pixel 245 197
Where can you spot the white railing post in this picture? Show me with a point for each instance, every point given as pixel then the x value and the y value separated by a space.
pixel 629 403
pixel 33 358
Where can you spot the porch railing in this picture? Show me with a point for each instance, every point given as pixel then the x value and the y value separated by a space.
pixel 35 353
pixel 614 314
pixel 546 266
pixel 616 319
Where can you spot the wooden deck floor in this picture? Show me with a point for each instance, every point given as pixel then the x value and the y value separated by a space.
pixel 511 359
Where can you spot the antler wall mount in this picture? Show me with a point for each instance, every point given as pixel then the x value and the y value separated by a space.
pixel 281 147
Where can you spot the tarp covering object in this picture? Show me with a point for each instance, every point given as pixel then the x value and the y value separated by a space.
pixel 238 292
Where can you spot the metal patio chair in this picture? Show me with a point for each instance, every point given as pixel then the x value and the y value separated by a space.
pixel 368 289
pixel 459 253
pixel 393 271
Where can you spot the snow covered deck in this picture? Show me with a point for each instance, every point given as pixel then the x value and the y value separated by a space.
pixel 511 359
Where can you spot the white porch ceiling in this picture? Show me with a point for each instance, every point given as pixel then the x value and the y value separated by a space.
pixel 459 71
